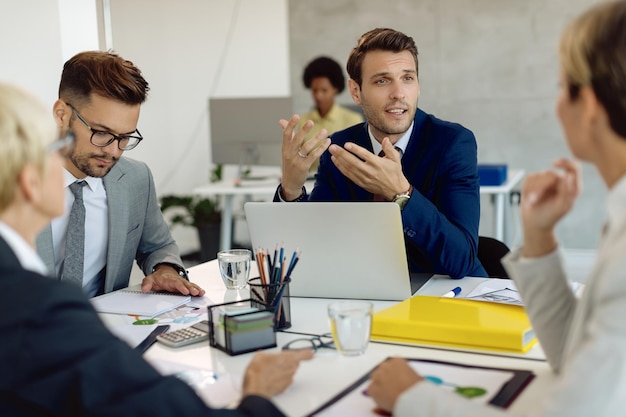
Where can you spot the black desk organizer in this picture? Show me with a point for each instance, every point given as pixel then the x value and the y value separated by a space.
pixel 236 332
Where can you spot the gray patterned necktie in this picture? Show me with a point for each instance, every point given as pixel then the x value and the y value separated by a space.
pixel 75 238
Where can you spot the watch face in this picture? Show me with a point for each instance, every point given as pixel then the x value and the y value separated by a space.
pixel 401 201
pixel 181 272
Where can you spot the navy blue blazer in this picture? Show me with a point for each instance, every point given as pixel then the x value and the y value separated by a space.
pixel 58 359
pixel 441 218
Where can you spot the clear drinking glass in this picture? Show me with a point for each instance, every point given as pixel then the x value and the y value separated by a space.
pixel 234 267
pixel 351 325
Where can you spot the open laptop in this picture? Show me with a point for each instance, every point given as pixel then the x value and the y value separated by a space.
pixel 349 249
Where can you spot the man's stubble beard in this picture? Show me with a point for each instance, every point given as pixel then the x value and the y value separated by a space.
pixel 82 162
pixel 377 121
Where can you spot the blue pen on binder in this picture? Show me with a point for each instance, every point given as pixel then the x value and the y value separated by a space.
pixel 453 293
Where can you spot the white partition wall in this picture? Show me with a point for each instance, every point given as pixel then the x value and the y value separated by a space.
pixel 189 51
pixel 30 41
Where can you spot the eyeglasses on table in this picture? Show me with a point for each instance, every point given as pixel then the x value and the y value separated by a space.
pixel 324 341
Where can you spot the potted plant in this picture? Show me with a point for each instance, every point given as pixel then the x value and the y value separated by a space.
pixel 200 212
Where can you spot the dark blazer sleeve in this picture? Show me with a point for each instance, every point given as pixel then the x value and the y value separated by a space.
pixel 441 219
pixel 61 361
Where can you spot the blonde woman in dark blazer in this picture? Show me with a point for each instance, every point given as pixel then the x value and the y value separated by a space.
pixel 57 358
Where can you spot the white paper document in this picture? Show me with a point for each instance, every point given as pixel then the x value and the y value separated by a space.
pixel 498 290
pixel 132 301
pixel 217 389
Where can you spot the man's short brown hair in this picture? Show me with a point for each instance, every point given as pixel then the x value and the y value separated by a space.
pixel 105 74
pixel 382 39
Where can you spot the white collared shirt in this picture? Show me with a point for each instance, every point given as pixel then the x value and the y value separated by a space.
pixel 96 230
pixel 26 254
pixel 402 143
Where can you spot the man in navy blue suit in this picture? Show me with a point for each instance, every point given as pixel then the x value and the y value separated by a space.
pixel 400 154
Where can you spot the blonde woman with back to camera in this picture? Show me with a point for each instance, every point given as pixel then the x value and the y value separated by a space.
pixel 60 360
pixel 584 339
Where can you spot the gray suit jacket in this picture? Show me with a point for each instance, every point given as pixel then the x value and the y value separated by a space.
pixel 137 229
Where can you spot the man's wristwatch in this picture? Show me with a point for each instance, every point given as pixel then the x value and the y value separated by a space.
pixel 403 198
pixel 181 271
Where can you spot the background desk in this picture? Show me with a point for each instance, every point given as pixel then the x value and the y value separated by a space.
pixel 328 373
pixel 502 207
pixel 227 190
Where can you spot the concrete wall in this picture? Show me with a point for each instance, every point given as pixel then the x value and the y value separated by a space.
pixel 490 65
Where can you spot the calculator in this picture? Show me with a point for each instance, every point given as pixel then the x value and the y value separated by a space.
pixel 197 333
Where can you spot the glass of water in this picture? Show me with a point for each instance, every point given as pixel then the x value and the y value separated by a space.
pixel 234 267
pixel 351 325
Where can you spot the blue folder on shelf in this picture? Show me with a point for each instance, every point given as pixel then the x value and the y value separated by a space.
pixel 492 174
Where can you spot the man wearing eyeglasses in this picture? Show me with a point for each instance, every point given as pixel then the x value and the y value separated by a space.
pixel 112 216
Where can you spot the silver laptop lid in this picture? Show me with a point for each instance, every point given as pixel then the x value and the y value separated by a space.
pixel 349 249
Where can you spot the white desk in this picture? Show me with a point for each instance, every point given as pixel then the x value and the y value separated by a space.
pixel 227 190
pixel 328 373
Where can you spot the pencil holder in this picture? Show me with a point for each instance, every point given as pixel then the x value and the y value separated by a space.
pixel 273 297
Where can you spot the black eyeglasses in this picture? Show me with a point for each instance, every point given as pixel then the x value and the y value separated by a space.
pixel 103 138
pixel 64 146
pixel 315 343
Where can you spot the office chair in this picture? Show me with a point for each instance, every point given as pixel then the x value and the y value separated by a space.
pixel 490 252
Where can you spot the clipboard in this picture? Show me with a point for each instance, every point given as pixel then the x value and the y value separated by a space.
pixel 503 398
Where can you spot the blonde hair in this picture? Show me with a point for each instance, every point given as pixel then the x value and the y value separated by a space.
pixel 26 128
pixel 592 52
